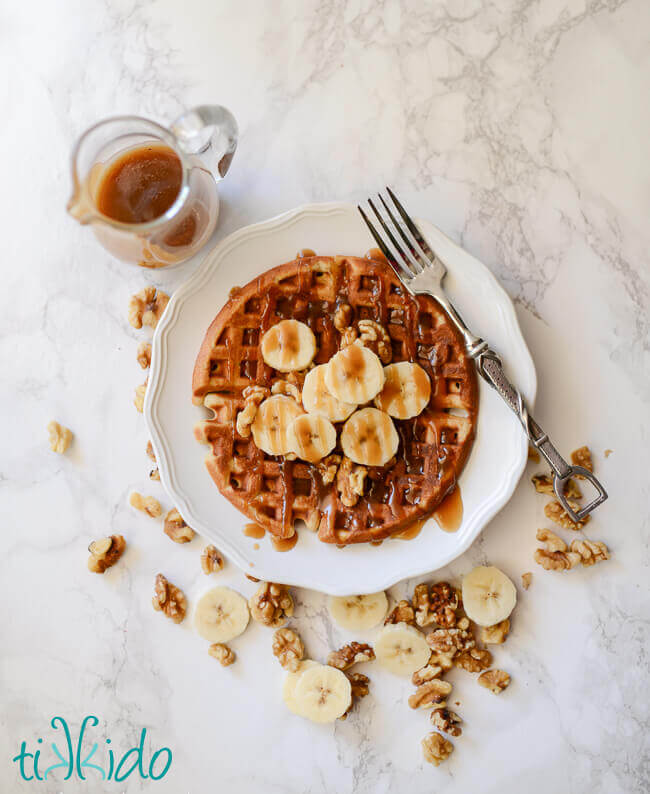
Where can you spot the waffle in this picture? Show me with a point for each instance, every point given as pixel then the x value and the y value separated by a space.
pixel 274 491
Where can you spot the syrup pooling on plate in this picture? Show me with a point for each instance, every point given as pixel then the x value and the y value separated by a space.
pixel 449 513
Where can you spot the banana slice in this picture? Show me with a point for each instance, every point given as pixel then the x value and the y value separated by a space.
pixel 221 615
pixel 311 437
pixel 406 391
pixel 288 346
pixel 317 400
pixel 270 427
pixel 290 683
pixel 401 649
pixel 354 375
pixel 369 437
pixel 323 693
pixel 358 613
pixel 489 596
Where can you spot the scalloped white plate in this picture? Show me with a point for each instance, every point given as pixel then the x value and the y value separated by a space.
pixel 496 462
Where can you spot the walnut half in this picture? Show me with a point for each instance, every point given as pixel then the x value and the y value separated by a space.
pixel 211 560
pixel 555 557
pixel 146 307
pixel 360 686
pixel 105 552
pixel 169 599
pixel 497 634
pixel 353 653
pixel 474 660
pixel 429 694
pixel 494 680
pixel 222 653
pixel 60 437
pixel 402 612
pixel 350 479
pixel 288 648
pixel 436 748
pixel 147 504
pixel 446 721
pixel 176 529
pixel 271 605
pixel 436 604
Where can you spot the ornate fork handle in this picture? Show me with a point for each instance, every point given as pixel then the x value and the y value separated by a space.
pixel 490 368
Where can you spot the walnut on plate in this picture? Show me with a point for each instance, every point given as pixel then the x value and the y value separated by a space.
pixel 353 653
pixel 436 748
pixel 253 397
pixel 402 612
pixel 558 515
pixel 582 457
pixel 474 660
pixel 146 307
pixel 222 653
pixel 288 648
pixel 350 479
pixel 140 392
pixel 176 529
pixel 497 634
pixel 211 560
pixel 494 680
pixel 435 604
pixel 375 337
pixel 556 556
pixel 144 355
pixel 431 693
pixel 60 437
pixel 328 467
pixel 147 504
pixel 544 484
pixel 271 605
pixel 287 389
pixel 446 721
pixel 105 552
pixel 169 599
pixel 342 317
pixel 360 686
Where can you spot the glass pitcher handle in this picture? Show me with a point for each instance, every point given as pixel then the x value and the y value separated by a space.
pixel 211 132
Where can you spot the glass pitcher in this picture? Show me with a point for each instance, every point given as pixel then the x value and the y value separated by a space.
pixel 204 140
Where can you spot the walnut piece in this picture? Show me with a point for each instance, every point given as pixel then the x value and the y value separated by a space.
pixel 544 484
pixel 350 479
pixel 353 653
pixel 431 693
pixel 251 578
pixel 360 685
pixel 288 648
pixel 253 396
pixel 497 634
pixel 146 307
pixel 558 515
pixel 607 452
pixel 211 560
pixel 105 552
pixel 60 437
pixel 147 504
pixel 555 557
pixel 446 643
pixel 526 579
pixel 436 604
pixel 342 317
pixel 436 748
pixel 169 599
pixel 375 337
pixel 140 392
pixel 221 652
pixel 154 474
pixel 402 612
pixel 474 661
pixel 426 673
pixel 176 529
pixel 582 457
pixel 590 551
pixel 288 389
pixel 446 721
pixel 271 605
pixel 494 680
pixel 328 467
pixel 348 337
pixel 144 355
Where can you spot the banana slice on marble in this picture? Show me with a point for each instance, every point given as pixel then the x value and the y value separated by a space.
pixel 270 427
pixel 289 345
pixel 406 391
pixel 489 596
pixel 369 437
pixel 358 612
pixel 311 437
pixel 354 374
pixel 323 693
pixel 401 649
pixel 317 399
pixel 221 614
pixel 290 683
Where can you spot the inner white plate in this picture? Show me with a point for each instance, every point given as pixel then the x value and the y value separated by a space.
pixel 487 482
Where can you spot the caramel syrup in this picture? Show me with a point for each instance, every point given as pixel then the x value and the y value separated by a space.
pixel 284 544
pixel 305 252
pixel 412 530
pixel 254 531
pixel 449 513
pixel 376 254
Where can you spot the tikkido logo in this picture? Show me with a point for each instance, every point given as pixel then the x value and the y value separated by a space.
pixel 79 761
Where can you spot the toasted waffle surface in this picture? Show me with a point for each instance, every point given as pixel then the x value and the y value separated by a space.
pixel 276 491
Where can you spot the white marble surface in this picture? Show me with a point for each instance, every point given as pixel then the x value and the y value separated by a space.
pixel 521 129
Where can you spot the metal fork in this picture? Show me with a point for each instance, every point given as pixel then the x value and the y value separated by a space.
pixel 421 270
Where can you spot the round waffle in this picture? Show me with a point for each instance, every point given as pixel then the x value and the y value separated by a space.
pixel 275 491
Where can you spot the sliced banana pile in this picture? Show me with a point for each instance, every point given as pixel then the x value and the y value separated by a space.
pixel 317 399
pixel 270 427
pixel 220 615
pixel 489 596
pixel 358 613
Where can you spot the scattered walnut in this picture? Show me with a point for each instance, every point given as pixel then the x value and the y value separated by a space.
pixel 169 599
pixel 446 643
pixel 288 389
pixel 497 634
pixel 590 551
pixel 526 579
pixel 402 612
pixel 544 484
pixel 328 467
pixel 533 454
pixel 105 552
pixel 436 604
pixel 473 660
pixel 251 578
pixel 146 307
pixel 359 684
pixel 221 652
pixel 154 474
pixel 211 560
pixel 288 648
pixel 446 721
pixel 558 515
pixel 350 480
pixel 426 673
pixel 271 605
pixel 147 504
pixel 436 748
pixel 144 355
pixel 608 452
pixel 60 437
pixel 430 694
pixel 494 680
pixel 176 529
pixel 342 317
pixel 555 556
pixel 376 337
pixel 353 653
pixel 253 396
pixel 140 392
pixel 582 457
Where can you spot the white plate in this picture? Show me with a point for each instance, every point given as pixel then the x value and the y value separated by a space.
pixel 487 482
